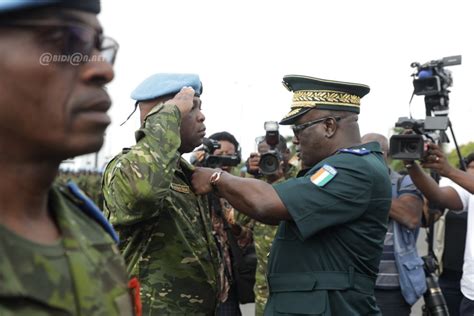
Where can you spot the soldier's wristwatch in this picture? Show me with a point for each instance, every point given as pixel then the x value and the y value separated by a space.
pixel 215 177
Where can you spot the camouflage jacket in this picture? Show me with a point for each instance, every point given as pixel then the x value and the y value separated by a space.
pixel 82 274
pixel 165 228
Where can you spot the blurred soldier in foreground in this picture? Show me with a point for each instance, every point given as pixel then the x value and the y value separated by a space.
pixel 333 219
pixel 57 253
pixel 401 278
pixel 165 227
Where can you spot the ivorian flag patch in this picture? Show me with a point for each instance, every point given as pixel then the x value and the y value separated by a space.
pixel 325 174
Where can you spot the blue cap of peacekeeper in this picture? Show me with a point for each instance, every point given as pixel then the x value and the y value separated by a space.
pixel 13 6
pixel 314 93
pixel 161 84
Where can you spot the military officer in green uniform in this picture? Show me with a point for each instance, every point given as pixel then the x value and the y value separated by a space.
pixel 165 227
pixel 57 252
pixel 332 219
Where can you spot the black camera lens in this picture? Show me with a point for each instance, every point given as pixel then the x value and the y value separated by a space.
pixel 410 147
pixel 269 163
pixel 407 147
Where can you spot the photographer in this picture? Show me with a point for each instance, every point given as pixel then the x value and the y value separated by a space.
pixel 285 169
pixel 457 194
pixel 398 288
pixel 223 150
pixel 219 150
pixel 450 232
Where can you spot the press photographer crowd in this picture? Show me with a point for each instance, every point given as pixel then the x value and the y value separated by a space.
pixel 325 221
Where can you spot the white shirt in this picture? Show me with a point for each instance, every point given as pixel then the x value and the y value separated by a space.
pixel 467 280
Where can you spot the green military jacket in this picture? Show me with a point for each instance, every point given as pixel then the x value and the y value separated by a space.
pixel 325 261
pixel 263 236
pixel 165 227
pixel 83 274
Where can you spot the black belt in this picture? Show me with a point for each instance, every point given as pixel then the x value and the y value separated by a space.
pixel 321 280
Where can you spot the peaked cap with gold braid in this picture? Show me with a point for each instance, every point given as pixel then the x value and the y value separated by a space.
pixel 313 93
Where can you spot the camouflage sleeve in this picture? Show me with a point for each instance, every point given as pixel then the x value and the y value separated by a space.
pixel 137 183
pixel 246 224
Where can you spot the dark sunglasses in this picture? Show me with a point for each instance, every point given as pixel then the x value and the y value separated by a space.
pixel 74 38
pixel 299 128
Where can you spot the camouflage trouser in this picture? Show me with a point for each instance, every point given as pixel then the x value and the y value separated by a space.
pixel 261 296
pixel 263 236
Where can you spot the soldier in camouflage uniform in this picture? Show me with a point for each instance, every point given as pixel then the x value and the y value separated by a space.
pixel 165 227
pixel 264 234
pixel 55 258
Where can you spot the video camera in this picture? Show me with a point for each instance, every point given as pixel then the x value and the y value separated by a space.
pixel 210 145
pixel 432 80
pixel 270 161
pixel 413 146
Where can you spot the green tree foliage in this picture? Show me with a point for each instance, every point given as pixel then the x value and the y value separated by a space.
pixel 465 149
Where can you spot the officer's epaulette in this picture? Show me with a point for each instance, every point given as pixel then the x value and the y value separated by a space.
pixel 90 209
pixel 355 151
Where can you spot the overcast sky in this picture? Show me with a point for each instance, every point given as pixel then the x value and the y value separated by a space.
pixel 242 49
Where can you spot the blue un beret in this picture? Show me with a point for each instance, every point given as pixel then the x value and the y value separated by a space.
pixel 7 6
pixel 163 84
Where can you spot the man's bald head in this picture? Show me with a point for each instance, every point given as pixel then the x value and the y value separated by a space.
pixel 382 140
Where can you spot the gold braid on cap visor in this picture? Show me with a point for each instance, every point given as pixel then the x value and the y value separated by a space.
pixel 310 99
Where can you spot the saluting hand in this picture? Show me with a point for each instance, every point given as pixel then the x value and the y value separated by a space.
pixel 183 100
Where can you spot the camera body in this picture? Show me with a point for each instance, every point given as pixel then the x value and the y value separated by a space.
pixel 414 146
pixel 214 161
pixel 270 161
pixel 432 80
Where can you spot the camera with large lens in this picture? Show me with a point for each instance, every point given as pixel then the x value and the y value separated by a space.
pixel 435 304
pixel 215 161
pixel 270 160
pixel 413 146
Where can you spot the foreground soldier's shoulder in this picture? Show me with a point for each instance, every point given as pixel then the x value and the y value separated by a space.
pixel 87 206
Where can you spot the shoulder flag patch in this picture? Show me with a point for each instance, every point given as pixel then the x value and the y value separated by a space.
pixel 325 174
